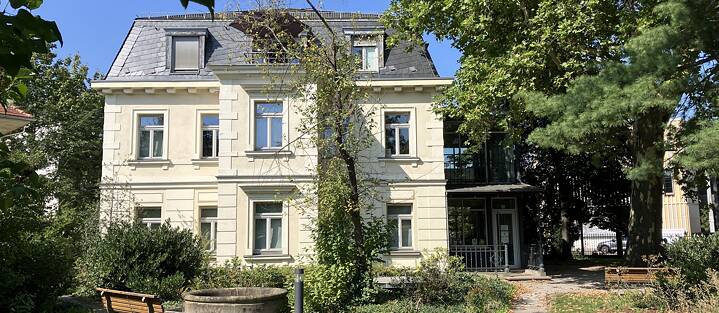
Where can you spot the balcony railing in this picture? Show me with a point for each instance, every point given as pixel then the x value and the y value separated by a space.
pixel 268 58
pixel 482 258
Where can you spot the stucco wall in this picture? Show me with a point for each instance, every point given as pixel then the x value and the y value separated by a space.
pixel 183 183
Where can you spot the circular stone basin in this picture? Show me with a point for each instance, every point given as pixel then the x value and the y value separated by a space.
pixel 226 300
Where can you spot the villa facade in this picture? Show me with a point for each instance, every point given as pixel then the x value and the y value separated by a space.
pixel 192 137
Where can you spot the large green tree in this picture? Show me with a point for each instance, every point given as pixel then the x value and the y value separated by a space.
pixel 546 46
pixel 64 139
pixel 513 46
pixel 637 96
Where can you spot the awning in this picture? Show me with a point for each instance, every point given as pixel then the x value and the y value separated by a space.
pixel 502 188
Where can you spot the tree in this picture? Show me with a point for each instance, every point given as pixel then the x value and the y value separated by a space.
pixel 513 46
pixel 64 139
pixel 317 67
pixel 636 97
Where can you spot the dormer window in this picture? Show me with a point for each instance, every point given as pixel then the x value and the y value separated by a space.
pixel 185 50
pixel 368 47
pixel 368 56
pixel 185 53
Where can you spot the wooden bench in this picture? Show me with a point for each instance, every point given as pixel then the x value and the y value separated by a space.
pixel 116 301
pixel 631 275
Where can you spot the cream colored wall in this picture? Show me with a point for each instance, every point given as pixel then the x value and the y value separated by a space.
pixel 678 214
pixel 182 184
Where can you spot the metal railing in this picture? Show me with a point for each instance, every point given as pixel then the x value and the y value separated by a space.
pixel 268 58
pixel 482 258
pixel 536 258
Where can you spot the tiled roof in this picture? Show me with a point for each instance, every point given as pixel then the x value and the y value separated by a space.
pixel 143 54
pixel 14 112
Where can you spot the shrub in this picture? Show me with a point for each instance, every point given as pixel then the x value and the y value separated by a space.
pixel 162 260
pixel 439 278
pixel 327 286
pixel 489 295
pixel 692 256
pixel 34 272
pixel 234 273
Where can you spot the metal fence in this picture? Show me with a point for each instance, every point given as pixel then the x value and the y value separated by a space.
pixel 536 258
pixel 596 241
pixel 482 258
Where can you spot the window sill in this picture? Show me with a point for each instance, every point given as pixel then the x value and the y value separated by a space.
pixel 400 159
pixel 405 252
pixel 268 257
pixel 197 163
pixel 267 153
pixel 164 163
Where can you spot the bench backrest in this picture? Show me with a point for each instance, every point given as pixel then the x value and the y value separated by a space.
pixel 116 301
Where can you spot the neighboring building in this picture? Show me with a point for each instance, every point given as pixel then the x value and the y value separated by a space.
pixel 192 138
pixel 680 216
pixel 12 118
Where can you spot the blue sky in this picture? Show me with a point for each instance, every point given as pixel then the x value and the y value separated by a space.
pixel 95 29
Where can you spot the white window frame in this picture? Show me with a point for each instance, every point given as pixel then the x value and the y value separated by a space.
pixel 215 136
pixel 396 127
pixel 401 218
pixel 165 122
pixel 149 221
pixel 364 65
pixel 268 217
pixel 268 116
pixel 213 227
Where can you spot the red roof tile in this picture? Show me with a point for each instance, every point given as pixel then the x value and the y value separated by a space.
pixel 14 111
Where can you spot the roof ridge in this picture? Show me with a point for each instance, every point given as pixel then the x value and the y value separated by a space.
pixel 301 13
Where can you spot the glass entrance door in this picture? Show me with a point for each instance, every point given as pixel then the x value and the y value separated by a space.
pixel 505 227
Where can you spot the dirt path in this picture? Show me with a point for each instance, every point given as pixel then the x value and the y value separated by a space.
pixel 565 280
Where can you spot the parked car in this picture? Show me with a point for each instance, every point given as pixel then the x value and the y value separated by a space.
pixel 610 246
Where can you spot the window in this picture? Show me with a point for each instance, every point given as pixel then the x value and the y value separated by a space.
pixel 151 134
pixel 208 227
pixel 185 53
pixel 268 227
pixel 151 217
pixel 210 135
pixel 399 216
pixel 268 126
pixel 668 181
pixel 368 56
pixel 396 134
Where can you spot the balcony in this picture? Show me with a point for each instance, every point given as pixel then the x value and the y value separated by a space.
pixel 491 162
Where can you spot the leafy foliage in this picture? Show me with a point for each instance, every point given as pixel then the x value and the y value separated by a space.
pixel 234 273
pixel 692 256
pixel 64 139
pixel 35 261
pixel 133 257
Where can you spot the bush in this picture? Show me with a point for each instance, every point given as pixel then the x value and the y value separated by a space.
pixel 236 274
pixel 35 271
pixel 692 256
pixel 439 279
pixel 489 295
pixel 131 256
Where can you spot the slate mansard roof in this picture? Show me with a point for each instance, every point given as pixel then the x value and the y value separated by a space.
pixel 143 55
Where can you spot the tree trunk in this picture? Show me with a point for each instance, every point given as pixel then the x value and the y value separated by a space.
pixel 703 200
pixel 620 246
pixel 645 217
pixel 566 243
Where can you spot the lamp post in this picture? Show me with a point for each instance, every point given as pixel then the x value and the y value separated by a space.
pixel 299 289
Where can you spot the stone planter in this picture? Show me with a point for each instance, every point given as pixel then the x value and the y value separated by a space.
pixel 245 299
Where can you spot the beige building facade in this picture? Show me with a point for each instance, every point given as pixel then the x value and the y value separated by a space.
pixel 209 149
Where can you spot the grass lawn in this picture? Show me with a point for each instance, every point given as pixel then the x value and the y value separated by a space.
pixel 596 302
